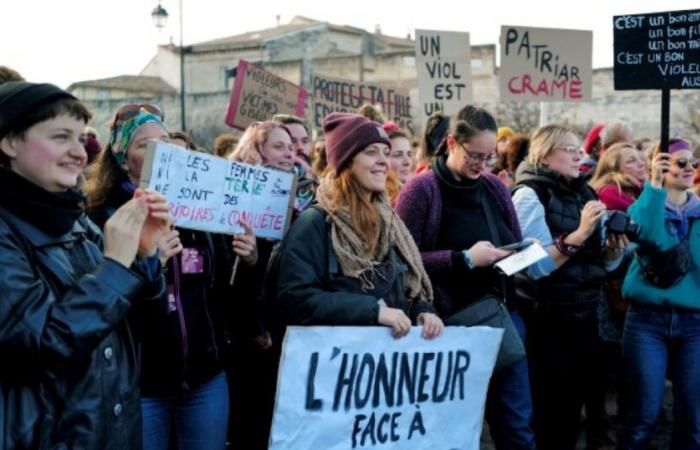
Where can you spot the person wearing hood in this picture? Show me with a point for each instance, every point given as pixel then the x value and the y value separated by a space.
pixel 661 337
pixel 69 377
pixel 556 206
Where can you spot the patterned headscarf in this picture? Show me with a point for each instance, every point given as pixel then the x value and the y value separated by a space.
pixel 123 132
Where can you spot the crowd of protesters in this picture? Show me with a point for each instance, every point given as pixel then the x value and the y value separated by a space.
pixel 119 330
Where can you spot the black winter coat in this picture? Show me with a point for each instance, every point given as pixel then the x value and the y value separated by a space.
pixel 68 376
pixel 305 293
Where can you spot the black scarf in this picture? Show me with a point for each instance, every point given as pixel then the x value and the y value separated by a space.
pixel 52 212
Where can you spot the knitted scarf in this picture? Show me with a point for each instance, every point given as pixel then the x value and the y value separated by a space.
pixel 350 247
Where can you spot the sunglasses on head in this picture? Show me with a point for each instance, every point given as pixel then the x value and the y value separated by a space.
pixel 683 163
pixel 127 112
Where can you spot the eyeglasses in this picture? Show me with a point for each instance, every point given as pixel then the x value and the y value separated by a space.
pixel 130 111
pixel 683 162
pixel 571 149
pixel 476 157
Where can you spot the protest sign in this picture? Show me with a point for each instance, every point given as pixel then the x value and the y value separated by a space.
pixel 335 94
pixel 658 50
pixel 546 64
pixel 209 193
pixel 257 95
pixel 443 63
pixel 358 387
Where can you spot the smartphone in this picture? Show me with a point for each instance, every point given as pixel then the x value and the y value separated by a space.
pixel 517 246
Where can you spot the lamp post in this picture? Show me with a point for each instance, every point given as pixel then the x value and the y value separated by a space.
pixel 160 18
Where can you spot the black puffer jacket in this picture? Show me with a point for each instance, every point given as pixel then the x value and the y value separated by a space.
pixel 575 287
pixel 68 376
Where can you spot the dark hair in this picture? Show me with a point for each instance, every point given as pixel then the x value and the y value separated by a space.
pixel 469 122
pixel 371 112
pixel 288 119
pixel 516 151
pixel 7 74
pixel 399 134
pixel 47 111
pixel 186 138
pixel 431 136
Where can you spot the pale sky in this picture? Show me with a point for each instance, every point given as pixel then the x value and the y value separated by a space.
pixel 63 41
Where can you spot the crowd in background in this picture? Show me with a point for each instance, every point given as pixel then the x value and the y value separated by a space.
pixel 120 330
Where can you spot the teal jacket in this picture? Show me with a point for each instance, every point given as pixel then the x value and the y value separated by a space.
pixel 662 225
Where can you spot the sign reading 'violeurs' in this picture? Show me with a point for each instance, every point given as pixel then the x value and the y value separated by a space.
pixel 658 50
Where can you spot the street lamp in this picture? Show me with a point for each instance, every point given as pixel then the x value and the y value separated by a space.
pixel 160 18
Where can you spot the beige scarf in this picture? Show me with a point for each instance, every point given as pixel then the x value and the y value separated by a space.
pixel 350 248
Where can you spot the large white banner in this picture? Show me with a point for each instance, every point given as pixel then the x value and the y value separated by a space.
pixel 358 387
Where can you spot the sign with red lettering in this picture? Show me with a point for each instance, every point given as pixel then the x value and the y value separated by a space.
pixel 214 194
pixel 257 95
pixel 443 63
pixel 546 64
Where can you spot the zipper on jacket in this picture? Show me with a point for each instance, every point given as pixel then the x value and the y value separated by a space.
pixel 181 319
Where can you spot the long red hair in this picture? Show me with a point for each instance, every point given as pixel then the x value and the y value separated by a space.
pixel 366 221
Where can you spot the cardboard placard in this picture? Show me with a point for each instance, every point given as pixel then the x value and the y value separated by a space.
pixel 257 95
pixel 212 194
pixel 339 95
pixel 546 64
pixel 656 51
pixel 443 63
pixel 358 387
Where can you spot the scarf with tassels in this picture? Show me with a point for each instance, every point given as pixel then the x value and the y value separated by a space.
pixel 350 248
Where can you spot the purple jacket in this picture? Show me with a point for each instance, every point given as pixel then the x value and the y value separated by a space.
pixel 420 207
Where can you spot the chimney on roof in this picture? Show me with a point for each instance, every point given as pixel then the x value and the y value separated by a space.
pixel 377 29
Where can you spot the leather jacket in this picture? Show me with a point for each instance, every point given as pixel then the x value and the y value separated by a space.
pixel 68 376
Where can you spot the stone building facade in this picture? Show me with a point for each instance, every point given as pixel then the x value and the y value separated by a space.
pixel 305 46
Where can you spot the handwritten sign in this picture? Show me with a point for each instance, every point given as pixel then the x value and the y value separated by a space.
pixel 443 62
pixel 257 95
pixel 545 64
pixel 212 194
pixel 358 387
pixel 653 51
pixel 338 95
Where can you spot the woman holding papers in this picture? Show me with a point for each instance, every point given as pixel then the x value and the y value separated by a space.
pixel 181 337
pixel 557 207
pixel 445 209
pixel 69 371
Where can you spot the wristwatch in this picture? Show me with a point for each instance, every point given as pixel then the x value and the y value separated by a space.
pixel 468 259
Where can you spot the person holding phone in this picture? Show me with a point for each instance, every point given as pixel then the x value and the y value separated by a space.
pixel 661 337
pixel 556 206
pixel 445 210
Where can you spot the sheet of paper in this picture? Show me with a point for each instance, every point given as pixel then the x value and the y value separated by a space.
pixel 521 260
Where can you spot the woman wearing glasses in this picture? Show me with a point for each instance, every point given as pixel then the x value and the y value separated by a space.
pixel 444 209
pixel 183 386
pixel 68 377
pixel 662 330
pixel 557 207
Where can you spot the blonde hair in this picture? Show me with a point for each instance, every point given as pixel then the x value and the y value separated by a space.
pixel 544 140
pixel 249 148
pixel 609 169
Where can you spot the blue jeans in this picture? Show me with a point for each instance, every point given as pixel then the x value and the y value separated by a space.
pixel 509 404
pixel 656 341
pixel 200 417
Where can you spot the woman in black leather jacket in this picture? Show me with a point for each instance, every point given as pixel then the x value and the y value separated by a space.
pixel 68 377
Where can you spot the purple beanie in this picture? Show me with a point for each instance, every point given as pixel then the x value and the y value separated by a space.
pixel 347 135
